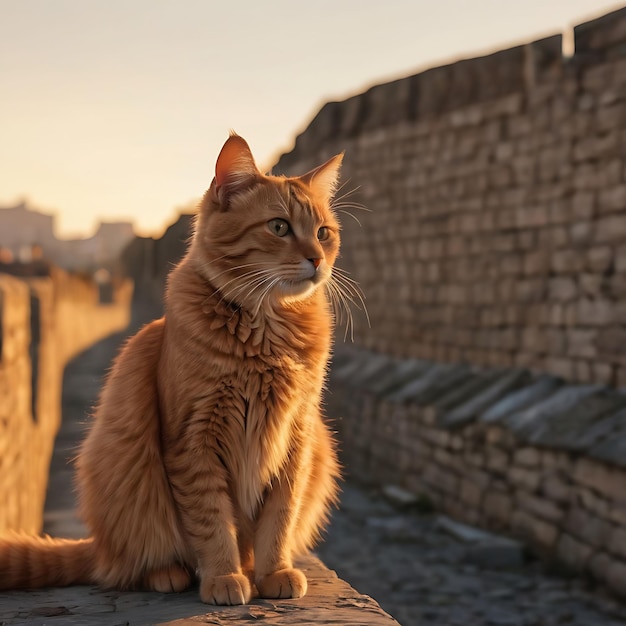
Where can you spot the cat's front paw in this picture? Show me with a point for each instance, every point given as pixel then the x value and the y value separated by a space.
pixel 284 583
pixel 230 589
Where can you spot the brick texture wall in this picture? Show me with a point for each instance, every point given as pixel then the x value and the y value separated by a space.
pixel 44 322
pixel 497 190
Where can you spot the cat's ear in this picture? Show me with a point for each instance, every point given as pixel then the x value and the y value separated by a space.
pixel 235 170
pixel 323 179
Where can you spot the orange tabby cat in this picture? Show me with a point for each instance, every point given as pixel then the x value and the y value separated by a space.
pixel 208 454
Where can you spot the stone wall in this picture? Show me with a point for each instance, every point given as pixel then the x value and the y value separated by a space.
pixel 497 191
pixel 521 454
pixel 44 322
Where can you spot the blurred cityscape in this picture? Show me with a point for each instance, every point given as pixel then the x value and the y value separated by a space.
pixel 27 235
pixel 29 247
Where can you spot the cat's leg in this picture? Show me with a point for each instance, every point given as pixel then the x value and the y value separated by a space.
pixel 206 510
pixel 275 575
pixel 245 539
pixel 173 578
pixel 125 497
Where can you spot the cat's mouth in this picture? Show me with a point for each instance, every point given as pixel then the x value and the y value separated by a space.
pixel 300 287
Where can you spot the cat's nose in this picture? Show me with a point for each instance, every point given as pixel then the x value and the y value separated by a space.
pixel 315 262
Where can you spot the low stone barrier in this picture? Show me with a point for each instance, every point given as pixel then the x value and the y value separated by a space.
pixel 44 322
pixel 329 600
pixel 520 453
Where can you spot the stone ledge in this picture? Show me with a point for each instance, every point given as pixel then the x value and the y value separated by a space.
pixel 329 600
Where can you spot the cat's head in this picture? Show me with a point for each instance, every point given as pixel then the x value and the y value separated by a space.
pixel 266 239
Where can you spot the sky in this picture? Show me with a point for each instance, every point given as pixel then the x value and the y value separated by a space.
pixel 116 109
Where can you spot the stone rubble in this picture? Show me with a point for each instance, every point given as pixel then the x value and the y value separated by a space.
pixel 424 575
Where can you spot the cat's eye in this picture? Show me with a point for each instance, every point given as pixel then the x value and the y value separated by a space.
pixel 279 227
pixel 323 233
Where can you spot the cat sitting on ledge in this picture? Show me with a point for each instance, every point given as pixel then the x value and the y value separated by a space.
pixel 207 455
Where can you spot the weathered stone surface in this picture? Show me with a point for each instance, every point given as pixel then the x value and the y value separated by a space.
pixel 399 496
pixel 612 450
pixel 473 383
pixel 580 426
pixel 438 375
pixel 328 600
pixel 573 553
pixel 527 457
pixel 606 480
pixel 484 549
pixel 590 528
pixel 371 367
pixel 541 507
pixel 399 375
pixel 529 423
pixel 488 394
pixel 517 401
pixel 536 531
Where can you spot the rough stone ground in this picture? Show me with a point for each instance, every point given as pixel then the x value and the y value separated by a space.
pixel 422 575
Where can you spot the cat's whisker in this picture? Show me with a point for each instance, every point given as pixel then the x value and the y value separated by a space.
pixel 340 305
pixel 257 278
pixel 350 291
pixel 345 194
pixel 265 293
pixel 244 277
pixel 351 205
pixel 356 219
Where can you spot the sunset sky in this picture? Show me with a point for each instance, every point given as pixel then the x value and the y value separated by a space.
pixel 116 109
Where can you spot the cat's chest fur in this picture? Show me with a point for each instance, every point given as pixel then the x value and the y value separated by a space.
pixel 244 414
pixel 263 434
pixel 239 392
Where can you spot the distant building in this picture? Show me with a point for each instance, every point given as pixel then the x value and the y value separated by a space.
pixel 21 228
pixel 24 229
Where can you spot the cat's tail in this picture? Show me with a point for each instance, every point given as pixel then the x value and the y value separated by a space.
pixel 30 562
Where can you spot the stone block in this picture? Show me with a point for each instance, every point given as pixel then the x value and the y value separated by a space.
pixel 441 479
pixel 527 457
pixel 531 422
pixel 597 312
pixel 497 460
pixel 612 199
pixel 498 508
pixel 556 489
pixel 616 542
pixel 617 513
pixel 399 374
pixel 599 259
pixel 615 577
pixel 574 554
pixel 537 532
pixel 611 228
pixel 524 478
pixel 537 391
pixel 594 504
pixel 582 425
pixel 606 480
pixel 399 496
pixel 587 527
pixel 471 494
pixel 436 376
pixel 612 450
pixel 491 389
pixel 562 288
pixel 539 506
